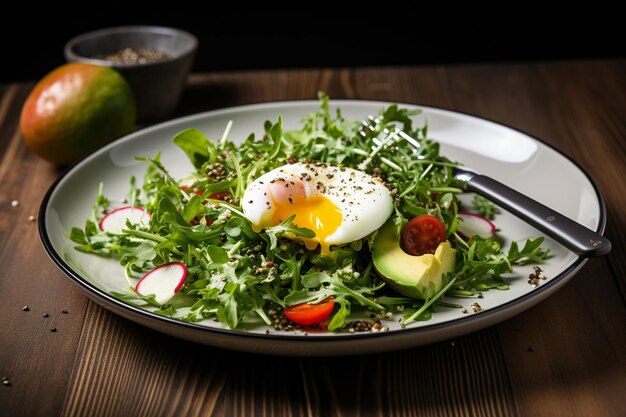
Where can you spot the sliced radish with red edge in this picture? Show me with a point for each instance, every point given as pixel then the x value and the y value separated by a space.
pixel 163 281
pixel 475 225
pixel 115 221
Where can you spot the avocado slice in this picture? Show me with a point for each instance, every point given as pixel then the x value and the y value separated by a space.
pixel 418 277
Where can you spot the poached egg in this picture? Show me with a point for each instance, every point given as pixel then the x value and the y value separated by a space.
pixel 341 205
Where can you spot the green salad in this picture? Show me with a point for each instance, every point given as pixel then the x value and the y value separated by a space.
pixel 321 227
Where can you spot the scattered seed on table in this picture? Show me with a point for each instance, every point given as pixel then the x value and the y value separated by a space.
pixel 46 315
pixel 6 381
pixel 64 311
pixel 53 330
pixel 25 308
pixel 531 348
pixel 15 203
pixel 31 218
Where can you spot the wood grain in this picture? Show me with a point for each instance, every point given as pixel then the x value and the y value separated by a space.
pixel 37 361
pixel 564 357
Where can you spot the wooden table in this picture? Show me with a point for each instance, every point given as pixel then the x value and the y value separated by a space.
pixel 564 357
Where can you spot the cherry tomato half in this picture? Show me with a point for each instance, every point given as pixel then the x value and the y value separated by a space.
pixel 306 314
pixel 422 235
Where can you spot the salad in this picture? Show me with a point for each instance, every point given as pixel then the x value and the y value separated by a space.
pixel 322 227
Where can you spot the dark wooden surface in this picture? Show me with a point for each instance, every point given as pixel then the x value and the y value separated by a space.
pixel 564 357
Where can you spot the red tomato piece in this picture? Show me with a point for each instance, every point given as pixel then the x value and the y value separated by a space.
pixel 222 195
pixel 306 314
pixel 422 235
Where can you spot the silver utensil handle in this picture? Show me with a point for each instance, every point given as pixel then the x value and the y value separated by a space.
pixel 572 235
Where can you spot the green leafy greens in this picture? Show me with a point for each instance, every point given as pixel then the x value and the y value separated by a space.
pixel 238 275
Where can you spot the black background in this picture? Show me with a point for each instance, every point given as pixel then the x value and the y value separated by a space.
pixel 232 41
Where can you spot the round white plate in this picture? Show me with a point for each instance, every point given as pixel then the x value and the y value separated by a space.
pixel 508 155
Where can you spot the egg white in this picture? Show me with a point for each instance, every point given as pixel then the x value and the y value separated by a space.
pixel 364 201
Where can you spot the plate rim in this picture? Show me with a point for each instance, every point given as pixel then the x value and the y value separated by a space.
pixel 105 299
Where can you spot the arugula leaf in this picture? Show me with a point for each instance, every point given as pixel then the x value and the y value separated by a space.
pixel 192 208
pixel 287 227
pixel 196 146
pixel 341 316
pixel 485 207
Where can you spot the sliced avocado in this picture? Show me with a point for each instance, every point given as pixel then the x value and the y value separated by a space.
pixel 418 277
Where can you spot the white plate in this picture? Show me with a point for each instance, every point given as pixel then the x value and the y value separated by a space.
pixel 508 155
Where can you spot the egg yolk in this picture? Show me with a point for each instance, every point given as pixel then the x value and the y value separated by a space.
pixel 316 213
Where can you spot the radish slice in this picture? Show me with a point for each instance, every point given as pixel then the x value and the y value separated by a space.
pixel 115 221
pixel 475 225
pixel 163 281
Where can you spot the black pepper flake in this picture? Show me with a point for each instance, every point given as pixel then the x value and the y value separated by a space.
pixel 250 202
pixel 25 308
pixel 290 200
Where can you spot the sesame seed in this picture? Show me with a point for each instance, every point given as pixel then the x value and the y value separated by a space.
pixel 15 203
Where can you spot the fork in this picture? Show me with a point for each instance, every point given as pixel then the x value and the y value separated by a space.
pixel 574 236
